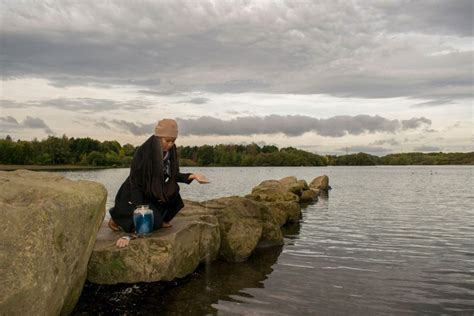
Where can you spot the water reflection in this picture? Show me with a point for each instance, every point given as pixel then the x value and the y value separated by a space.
pixel 196 294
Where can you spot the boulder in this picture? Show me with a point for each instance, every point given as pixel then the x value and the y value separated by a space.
pixel 293 185
pixel 271 232
pixel 166 254
pixel 48 229
pixel 240 221
pixel 243 225
pixel 288 180
pixel 273 191
pixel 303 184
pixel 320 183
pixel 309 196
pixel 284 212
pixel 281 198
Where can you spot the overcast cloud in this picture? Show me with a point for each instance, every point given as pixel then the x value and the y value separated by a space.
pixel 338 72
pixel 84 105
pixel 427 148
pixel 9 124
pixel 391 141
pixel 368 49
pixel 291 125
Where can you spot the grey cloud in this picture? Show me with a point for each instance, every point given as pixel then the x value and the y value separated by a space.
pixel 432 103
pixel 197 101
pixel 458 124
pixel 296 125
pixel 234 86
pixel 86 105
pixel 9 123
pixel 101 82
pixel 391 142
pixel 415 122
pixel 4 103
pixel 368 49
pixel 137 129
pixel 427 149
pixel 430 16
pixel 239 112
pixel 102 125
pixel 9 120
pixel 82 105
pixel 34 122
pixel 159 92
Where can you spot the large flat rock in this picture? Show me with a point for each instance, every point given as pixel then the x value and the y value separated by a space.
pixel 47 234
pixel 166 254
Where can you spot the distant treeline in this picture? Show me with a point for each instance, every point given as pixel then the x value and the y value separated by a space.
pixel 414 158
pixel 65 151
pixel 89 152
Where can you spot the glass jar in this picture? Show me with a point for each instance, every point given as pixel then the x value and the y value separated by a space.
pixel 143 220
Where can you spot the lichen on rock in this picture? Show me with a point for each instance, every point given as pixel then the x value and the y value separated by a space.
pixel 48 230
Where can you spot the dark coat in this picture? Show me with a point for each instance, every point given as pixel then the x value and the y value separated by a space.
pixel 146 186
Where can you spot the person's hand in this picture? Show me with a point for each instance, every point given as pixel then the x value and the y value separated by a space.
pixel 123 241
pixel 199 177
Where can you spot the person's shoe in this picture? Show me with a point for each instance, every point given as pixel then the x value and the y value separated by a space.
pixel 113 226
pixel 166 225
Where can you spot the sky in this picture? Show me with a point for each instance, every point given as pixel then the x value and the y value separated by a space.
pixel 330 77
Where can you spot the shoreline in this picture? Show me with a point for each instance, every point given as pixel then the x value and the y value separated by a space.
pixel 77 167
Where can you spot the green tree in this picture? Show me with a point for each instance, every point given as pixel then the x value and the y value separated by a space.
pixel 58 149
pixel 129 150
pixel 95 158
pixel 107 146
pixel 205 155
pixel 269 149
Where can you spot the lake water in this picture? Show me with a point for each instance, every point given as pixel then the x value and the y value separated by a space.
pixel 387 240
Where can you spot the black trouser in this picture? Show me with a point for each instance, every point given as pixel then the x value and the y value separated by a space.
pixel 161 213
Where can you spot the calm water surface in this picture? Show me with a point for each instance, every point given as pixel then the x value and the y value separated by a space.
pixel 387 240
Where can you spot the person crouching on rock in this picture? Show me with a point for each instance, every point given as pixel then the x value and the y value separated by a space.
pixel 153 181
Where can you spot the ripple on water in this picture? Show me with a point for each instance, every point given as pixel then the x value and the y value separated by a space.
pixel 387 240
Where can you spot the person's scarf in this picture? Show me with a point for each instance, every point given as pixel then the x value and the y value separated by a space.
pixel 148 170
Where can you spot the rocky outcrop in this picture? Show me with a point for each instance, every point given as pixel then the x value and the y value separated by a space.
pixel 48 229
pixel 309 196
pixel 229 228
pixel 164 255
pixel 243 224
pixel 283 198
pixel 320 183
pixel 273 191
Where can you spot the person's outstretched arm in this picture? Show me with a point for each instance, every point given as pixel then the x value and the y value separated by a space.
pixel 199 177
pixel 189 177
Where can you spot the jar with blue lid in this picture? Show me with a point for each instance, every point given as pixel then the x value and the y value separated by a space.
pixel 143 220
